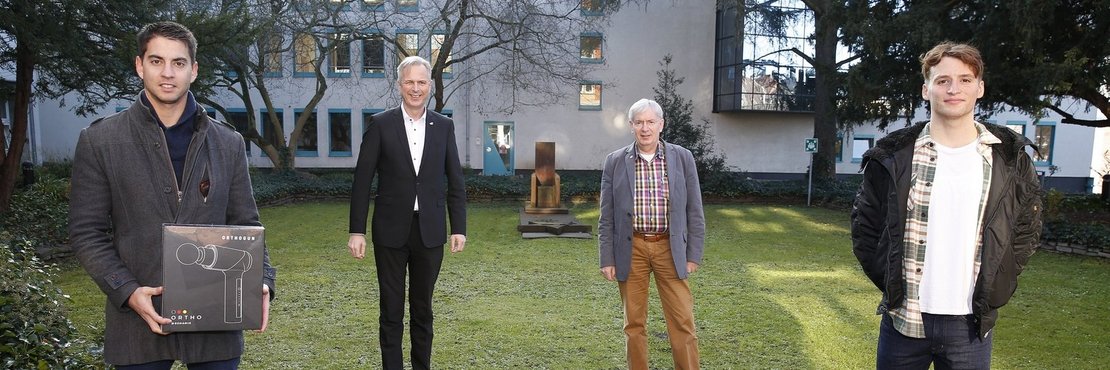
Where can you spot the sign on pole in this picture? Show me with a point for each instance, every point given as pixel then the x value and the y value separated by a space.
pixel 811 145
pixel 811 148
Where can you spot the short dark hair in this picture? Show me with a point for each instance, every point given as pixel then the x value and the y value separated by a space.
pixel 964 52
pixel 170 30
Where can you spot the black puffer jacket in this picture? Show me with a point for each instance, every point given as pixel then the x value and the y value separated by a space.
pixel 1011 225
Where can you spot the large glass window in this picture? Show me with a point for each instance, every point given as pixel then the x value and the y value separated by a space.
pixel 756 69
pixel 373 56
pixel 339 127
pixel 340 58
pixel 437 45
pixel 1017 126
pixel 1045 136
pixel 589 95
pixel 305 54
pixel 408 5
pixel 590 47
pixel 592 7
pixel 307 145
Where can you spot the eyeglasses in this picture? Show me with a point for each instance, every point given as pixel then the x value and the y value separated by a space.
pixel 649 123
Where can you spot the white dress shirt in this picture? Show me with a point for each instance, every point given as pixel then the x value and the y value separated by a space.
pixel 415 130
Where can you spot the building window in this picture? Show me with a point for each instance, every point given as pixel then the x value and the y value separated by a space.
pixel 1017 126
pixel 437 45
pixel 860 145
pixel 270 48
pixel 340 56
pixel 1045 136
pixel 373 56
pixel 341 4
pixel 307 144
pixel 838 147
pixel 366 115
pixel 240 120
pixel 266 129
pixel 589 95
pixel 339 128
pixel 592 7
pixel 306 54
pixel 408 5
pixel 408 44
pixel 755 70
pixel 590 47
pixel 373 4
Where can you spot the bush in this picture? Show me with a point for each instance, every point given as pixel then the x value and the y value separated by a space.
pixel 1091 235
pixel 34 331
pixel 39 215
pixel 271 187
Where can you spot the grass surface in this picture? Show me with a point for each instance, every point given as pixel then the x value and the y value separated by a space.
pixel 779 288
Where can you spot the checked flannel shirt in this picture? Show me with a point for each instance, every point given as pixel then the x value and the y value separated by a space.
pixel 907 318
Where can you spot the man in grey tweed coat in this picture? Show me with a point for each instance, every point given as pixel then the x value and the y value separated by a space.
pixel 162 160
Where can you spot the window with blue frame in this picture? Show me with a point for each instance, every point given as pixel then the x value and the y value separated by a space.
pixel 238 118
pixel 366 115
pixel 408 5
pixel 590 47
pixel 340 55
pixel 305 55
pixel 1045 136
pixel 339 127
pixel 589 95
pixel 270 49
pixel 437 46
pixel 373 55
pixel 592 7
pixel 860 145
pixel 408 42
pixel 375 5
pixel 343 5
pixel 839 147
pixel 307 145
pixel 1017 126
pixel 266 126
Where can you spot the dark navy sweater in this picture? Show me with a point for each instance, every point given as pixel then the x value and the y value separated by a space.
pixel 180 135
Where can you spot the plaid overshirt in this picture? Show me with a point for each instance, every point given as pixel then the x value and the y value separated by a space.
pixel 907 318
pixel 651 201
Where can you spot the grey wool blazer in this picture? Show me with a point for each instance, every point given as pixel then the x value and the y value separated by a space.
pixel 123 190
pixel 686 216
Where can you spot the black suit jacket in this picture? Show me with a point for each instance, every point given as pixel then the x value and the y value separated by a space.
pixel 385 153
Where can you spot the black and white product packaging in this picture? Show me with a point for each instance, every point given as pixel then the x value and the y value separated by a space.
pixel 212 277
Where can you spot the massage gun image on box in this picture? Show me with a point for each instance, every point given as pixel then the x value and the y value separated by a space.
pixel 231 262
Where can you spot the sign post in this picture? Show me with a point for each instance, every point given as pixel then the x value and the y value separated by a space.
pixel 811 148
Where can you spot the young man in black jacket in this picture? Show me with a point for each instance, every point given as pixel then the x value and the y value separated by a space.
pixel 946 218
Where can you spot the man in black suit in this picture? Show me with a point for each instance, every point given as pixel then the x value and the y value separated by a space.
pixel 413 150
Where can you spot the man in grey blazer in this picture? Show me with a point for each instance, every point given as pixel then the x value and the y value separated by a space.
pixel 162 160
pixel 652 222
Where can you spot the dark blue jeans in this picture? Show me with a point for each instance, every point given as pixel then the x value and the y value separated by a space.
pixel 231 364
pixel 951 342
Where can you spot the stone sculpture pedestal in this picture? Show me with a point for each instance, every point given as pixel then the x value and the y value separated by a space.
pixel 544 215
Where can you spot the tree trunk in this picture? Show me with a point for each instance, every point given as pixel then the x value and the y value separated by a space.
pixel 24 72
pixel 824 115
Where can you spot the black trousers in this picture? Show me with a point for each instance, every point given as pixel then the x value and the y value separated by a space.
pixel 423 265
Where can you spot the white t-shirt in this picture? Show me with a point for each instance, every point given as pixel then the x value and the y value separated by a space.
pixel 948 277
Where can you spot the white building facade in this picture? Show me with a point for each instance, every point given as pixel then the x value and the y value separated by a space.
pixel 591 121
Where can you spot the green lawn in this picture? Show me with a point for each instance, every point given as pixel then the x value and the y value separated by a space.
pixel 779 288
